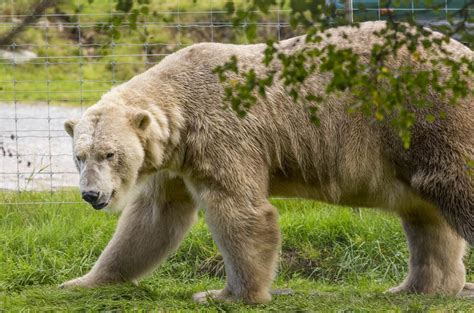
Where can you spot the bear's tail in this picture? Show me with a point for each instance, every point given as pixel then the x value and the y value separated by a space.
pixel 452 190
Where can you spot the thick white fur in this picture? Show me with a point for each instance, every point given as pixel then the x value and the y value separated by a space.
pixel 191 152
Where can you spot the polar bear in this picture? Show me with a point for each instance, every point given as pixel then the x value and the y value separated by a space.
pixel 161 145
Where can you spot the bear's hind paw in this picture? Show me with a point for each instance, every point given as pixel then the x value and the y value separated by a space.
pixel 467 291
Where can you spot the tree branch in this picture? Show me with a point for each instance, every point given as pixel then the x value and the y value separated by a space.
pixel 36 13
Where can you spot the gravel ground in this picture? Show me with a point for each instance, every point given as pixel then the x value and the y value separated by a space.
pixel 35 151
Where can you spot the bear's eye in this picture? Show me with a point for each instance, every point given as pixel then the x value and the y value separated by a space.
pixel 110 156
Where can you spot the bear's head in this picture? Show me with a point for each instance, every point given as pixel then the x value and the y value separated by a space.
pixel 111 151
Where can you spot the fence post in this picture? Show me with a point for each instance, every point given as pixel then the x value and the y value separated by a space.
pixel 348 9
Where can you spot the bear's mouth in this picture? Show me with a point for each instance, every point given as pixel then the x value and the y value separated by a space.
pixel 100 206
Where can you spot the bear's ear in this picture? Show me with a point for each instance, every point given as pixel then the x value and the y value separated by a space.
pixel 141 119
pixel 69 126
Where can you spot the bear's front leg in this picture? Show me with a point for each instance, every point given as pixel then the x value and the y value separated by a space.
pixel 247 234
pixel 147 232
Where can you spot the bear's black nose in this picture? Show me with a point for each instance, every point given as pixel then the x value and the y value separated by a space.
pixel 90 196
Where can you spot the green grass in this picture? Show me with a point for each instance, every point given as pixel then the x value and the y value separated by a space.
pixel 332 257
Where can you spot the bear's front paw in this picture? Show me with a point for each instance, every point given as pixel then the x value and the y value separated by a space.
pixel 204 296
pixel 83 282
pixel 226 296
pixel 92 280
pixel 398 289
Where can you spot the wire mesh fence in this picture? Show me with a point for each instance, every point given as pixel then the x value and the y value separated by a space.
pixel 63 61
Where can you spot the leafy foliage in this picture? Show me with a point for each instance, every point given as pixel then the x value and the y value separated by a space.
pixel 403 88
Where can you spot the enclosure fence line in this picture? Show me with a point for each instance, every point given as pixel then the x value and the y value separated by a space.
pixel 62 62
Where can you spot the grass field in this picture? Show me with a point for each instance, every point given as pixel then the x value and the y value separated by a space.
pixel 332 257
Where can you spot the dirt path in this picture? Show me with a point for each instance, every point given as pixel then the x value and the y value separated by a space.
pixel 35 151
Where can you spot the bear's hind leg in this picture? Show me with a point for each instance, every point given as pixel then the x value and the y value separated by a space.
pixel 436 255
pixel 148 231
pixel 248 237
